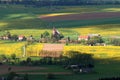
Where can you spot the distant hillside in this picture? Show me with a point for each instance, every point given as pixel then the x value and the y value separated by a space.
pixel 19 19
pixel 37 3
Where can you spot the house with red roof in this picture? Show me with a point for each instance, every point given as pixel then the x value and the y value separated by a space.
pixel 21 37
pixel 83 38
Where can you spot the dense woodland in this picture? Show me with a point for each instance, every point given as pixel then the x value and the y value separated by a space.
pixel 39 3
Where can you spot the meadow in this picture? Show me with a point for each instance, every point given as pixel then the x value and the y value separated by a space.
pixel 25 20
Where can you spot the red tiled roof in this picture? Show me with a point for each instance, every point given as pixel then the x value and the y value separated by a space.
pixel 83 37
pixel 21 36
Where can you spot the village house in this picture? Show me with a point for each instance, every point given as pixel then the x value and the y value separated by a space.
pixel 86 38
pixel 115 37
pixel 5 38
pixel 21 38
pixel 30 38
pixel 93 35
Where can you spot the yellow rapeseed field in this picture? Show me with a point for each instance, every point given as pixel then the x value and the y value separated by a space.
pixel 14 48
pixel 34 50
pixel 97 51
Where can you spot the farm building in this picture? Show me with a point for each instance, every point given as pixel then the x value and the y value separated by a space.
pixel 115 37
pixel 21 37
pixel 83 38
pixel 5 37
pixel 93 35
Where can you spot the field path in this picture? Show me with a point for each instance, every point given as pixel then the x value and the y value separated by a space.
pixel 82 16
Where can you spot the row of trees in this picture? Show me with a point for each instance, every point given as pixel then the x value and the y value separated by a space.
pixel 72 57
pixel 115 41
pixel 59 2
pixel 96 40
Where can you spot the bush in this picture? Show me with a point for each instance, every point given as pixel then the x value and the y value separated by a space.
pixel 13 56
pixel 28 60
pixel 3 57
pixel 11 75
pixel 26 77
pixel 50 76
pixel 115 42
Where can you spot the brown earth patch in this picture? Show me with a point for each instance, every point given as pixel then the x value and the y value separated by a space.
pixel 4 68
pixel 52 50
pixel 82 16
pixel 53 47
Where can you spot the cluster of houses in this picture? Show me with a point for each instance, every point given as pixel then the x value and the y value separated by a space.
pixel 20 37
pixel 55 35
pixel 81 68
pixel 87 37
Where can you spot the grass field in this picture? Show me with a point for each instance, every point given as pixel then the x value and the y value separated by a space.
pixel 24 20
pixel 103 68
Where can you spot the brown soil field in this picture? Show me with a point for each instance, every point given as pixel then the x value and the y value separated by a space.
pixel 82 16
pixel 53 47
pixel 18 69
pixel 4 68
pixel 52 50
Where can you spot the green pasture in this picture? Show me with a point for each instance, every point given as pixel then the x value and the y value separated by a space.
pixel 103 68
pixel 24 20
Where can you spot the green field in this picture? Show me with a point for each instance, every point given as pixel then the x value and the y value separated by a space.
pixel 103 68
pixel 24 20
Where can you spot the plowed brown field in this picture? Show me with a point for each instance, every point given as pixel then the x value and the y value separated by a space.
pixel 82 16
pixel 4 69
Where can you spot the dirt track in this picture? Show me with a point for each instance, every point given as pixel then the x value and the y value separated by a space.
pixel 82 16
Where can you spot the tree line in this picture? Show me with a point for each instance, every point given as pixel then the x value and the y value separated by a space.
pixel 38 3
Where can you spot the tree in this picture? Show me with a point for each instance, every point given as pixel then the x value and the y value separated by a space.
pixel 14 37
pixel 79 58
pixel 13 56
pixel 115 41
pixel 46 34
pixel 28 60
pixel 50 76
pixel 26 77
pixel 8 34
pixel 96 39
pixel 3 57
pixel 11 75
